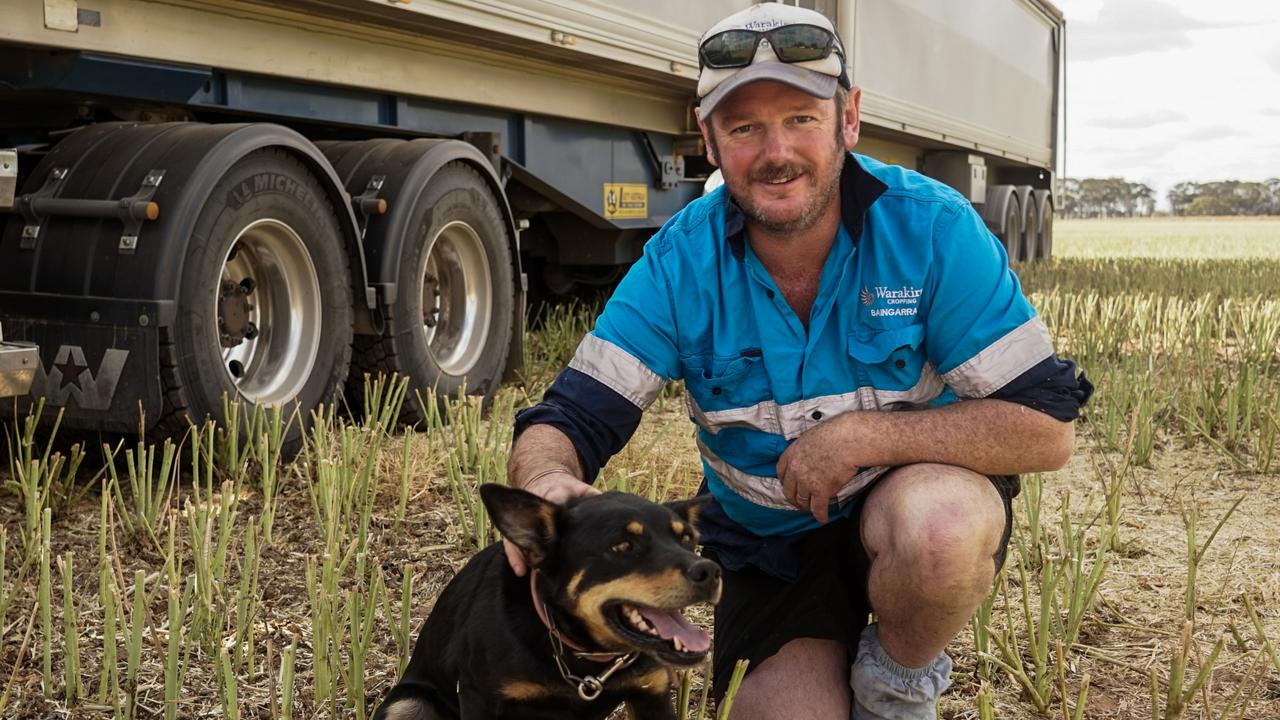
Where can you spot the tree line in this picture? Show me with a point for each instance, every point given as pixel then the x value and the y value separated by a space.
pixel 1117 197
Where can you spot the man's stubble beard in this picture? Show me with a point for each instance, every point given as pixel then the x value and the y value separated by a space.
pixel 809 216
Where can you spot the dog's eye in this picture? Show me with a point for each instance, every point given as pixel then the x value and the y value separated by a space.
pixel 624 547
pixel 687 539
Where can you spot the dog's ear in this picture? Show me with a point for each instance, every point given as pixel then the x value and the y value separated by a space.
pixel 689 509
pixel 523 518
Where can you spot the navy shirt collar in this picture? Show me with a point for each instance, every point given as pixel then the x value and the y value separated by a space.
pixel 858 190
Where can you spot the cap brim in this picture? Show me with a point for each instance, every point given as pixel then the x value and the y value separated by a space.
pixel 803 79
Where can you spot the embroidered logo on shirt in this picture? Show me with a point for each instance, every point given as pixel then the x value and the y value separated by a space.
pixel 902 301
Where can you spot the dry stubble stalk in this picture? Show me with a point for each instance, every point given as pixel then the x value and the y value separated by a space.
pixel 361 606
pixel 72 687
pixel 230 691
pixel 149 489
pixel 268 443
pixel 108 680
pixel 247 602
pixel 44 592
pixel 286 680
pixel 735 681
pixel 133 661
pixel 399 616
pixel 7 586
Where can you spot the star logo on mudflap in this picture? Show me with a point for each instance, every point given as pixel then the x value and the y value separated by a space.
pixel 71 371
pixel 867 298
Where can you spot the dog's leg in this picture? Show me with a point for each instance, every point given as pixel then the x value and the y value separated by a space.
pixel 407 709
pixel 411 700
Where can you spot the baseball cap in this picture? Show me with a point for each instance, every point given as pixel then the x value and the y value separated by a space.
pixel 818 77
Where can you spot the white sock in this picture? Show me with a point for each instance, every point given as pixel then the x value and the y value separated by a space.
pixel 885 690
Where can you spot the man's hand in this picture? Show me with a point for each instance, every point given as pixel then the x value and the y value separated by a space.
pixel 554 486
pixel 820 462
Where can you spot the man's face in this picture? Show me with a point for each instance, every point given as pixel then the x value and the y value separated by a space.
pixel 781 151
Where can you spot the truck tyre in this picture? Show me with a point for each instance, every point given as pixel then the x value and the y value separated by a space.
pixel 1003 216
pixel 1028 224
pixel 1011 237
pixel 264 305
pixel 450 325
pixel 1044 208
pixel 1030 229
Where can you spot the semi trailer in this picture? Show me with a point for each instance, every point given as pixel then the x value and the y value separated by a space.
pixel 268 201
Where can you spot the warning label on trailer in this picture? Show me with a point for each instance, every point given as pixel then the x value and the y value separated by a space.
pixel 624 201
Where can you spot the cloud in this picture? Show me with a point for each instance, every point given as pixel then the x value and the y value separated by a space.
pixel 1130 27
pixel 1139 120
pixel 1270 111
pixel 1216 131
pixel 1274 60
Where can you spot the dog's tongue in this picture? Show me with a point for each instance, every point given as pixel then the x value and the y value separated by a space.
pixel 671 624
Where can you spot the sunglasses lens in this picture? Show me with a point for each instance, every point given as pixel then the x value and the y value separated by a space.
pixel 801 43
pixel 730 49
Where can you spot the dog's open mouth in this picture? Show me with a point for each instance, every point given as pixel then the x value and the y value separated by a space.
pixel 663 631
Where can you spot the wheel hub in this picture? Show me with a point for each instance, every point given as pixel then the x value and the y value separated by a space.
pixel 457 297
pixel 234 324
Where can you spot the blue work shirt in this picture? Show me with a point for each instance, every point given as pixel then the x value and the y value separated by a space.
pixel 916 307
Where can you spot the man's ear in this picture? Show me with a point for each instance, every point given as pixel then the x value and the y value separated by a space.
pixel 705 127
pixel 852 120
pixel 689 509
pixel 525 519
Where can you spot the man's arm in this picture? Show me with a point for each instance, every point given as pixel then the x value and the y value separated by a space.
pixel 992 437
pixel 542 451
pixel 988 345
pixel 544 462
pixel 594 405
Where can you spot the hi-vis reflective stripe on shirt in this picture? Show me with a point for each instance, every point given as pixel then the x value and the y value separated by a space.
pixel 916 307
pixel 767 491
pixel 1001 361
pixel 794 418
pixel 622 373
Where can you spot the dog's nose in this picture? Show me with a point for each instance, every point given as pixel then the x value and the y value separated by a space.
pixel 703 572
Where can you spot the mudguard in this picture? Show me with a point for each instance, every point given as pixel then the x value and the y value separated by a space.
pixel 97 304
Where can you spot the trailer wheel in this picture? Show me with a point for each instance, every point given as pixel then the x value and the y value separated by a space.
pixel 1044 206
pixel 1003 216
pixel 450 325
pixel 1030 235
pixel 1012 235
pixel 264 308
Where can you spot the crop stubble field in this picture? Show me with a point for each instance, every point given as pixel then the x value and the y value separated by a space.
pixel 1143 580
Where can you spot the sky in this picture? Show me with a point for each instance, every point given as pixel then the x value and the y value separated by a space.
pixel 1162 91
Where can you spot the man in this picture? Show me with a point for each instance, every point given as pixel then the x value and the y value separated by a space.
pixel 808 305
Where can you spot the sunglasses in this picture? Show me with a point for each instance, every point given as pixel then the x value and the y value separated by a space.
pixel 791 43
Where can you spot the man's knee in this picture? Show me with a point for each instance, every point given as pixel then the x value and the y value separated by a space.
pixel 935 521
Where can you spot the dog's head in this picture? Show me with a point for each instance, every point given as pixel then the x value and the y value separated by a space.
pixel 622 567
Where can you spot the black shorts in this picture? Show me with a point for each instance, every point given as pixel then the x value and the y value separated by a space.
pixel 759 613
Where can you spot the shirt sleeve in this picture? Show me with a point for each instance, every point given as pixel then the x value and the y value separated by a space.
pixel 982 334
pixel 618 369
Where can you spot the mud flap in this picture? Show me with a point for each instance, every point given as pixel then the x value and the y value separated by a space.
pixel 103 376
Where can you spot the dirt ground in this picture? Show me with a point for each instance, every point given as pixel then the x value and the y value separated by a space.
pixel 1132 631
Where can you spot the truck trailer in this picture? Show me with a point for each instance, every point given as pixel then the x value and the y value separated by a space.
pixel 204 200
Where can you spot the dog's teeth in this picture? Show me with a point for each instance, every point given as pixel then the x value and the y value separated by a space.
pixel 679 646
pixel 638 622
pixel 636 619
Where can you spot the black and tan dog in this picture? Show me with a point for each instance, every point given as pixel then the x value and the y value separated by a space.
pixel 596 623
